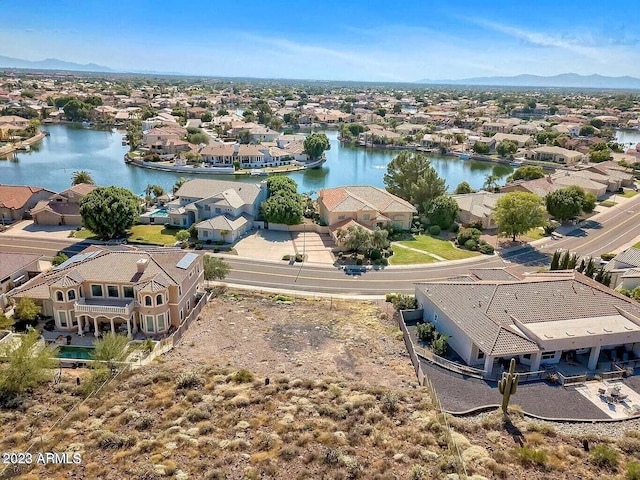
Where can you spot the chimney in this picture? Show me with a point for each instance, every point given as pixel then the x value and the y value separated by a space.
pixel 236 148
pixel 142 264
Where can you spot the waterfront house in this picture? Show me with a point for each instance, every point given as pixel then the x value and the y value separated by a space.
pixel 16 269
pixel 477 207
pixel 520 140
pixel 14 120
pixel 62 208
pixel 554 154
pixel 127 290
pixel 17 200
pixel 220 210
pixel 163 135
pixel 539 320
pixel 369 206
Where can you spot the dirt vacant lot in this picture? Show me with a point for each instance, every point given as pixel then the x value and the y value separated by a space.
pixel 304 338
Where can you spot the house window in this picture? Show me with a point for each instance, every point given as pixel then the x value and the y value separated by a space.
pixel 205 233
pixel 161 322
pixel 341 217
pixel 96 290
pixel 188 305
pixel 112 291
pixel 59 297
pixel 128 292
pixel 179 291
pixel 147 301
pixel 480 354
pixel 217 210
pixel 71 295
pixel 435 318
pixel 62 316
pixel 74 320
pixel 150 323
pixel 366 216
pixel 158 299
pixel 181 315
pixel 548 355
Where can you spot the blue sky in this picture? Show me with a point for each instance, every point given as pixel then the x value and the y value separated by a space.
pixel 334 40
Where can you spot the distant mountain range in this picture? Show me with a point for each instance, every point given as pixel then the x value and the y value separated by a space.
pixel 563 80
pixel 51 64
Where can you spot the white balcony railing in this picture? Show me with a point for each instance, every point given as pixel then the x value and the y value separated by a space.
pixel 95 307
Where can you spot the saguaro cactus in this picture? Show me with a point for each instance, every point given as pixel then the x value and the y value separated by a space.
pixel 508 384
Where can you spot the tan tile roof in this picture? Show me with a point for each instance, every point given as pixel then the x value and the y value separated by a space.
pixel 16 196
pixel 11 262
pixel 203 188
pixel 355 198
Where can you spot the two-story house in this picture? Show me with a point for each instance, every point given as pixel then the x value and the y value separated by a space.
pixel 130 290
pixel 220 210
pixel 16 269
pixel 371 207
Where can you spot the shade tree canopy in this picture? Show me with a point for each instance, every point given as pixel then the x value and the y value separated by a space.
pixel 410 176
pixel 316 144
pixel 443 211
pixel 109 211
pixel 527 172
pixel 518 212
pixel 569 202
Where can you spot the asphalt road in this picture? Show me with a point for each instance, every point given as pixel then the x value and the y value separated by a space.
pixel 617 226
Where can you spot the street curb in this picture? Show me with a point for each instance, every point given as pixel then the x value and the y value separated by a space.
pixel 485 408
pixel 297 293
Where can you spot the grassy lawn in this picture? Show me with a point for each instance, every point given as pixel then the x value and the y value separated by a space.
pixel 628 193
pixel 608 203
pixel 535 233
pixel 156 234
pixel 437 246
pixel 402 256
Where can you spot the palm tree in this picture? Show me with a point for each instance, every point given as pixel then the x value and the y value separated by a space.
pixel 82 176
pixel 178 184
pixel 490 182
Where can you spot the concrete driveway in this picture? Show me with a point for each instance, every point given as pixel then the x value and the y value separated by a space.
pixel 265 245
pixel 316 247
pixel 26 228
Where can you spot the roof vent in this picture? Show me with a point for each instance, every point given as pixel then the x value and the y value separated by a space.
pixel 142 264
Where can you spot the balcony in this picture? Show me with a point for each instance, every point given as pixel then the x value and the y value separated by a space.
pixel 121 308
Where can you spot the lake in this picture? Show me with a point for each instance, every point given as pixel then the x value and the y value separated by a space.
pixel 51 164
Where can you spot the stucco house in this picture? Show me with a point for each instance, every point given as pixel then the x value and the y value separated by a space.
pixel 62 208
pixel 16 269
pixel 555 154
pixel 221 210
pixel 130 289
pixel 625 269
pixel 16 200
pixel 477 207
pixel 537 320
pixel 370 206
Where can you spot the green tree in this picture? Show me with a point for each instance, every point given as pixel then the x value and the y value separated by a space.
pixel 244 137
pixel 443 211
pixel 527 172
pixel 215 268
pixel 379 239
pixel 555 260
pixel 587 130
pixel 206 117
pixel 565 203
pixel 182 235
pixel 463 187
pixel 381 111
pixel 176 186
pixel 278 184
pixel 198 138
pixel 519 212
pixel 491 182
pixel 5 322
pixel 59 259
pixel 316 144
pixel 109 211
pixel 481 148
pixel 597 155
pixel 82 176
pixel 26 309
pixel 507 147
pixel 75 110
pixel 110 350
pixel 397 108
pixel 589 202
pixel 25 366
pixel 285 208
pixel 355 238
pixel 411 176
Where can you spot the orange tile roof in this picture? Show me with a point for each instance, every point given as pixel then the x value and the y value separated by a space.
pixel 16 196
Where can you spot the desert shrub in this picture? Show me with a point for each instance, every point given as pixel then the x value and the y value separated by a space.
pixel 389 403
pixel 440 345
pixel 331 456
pixel 633 471
pixel 404 302
pixel 426 331
pixel 434 230
pixel 604 457
pixel 629 445
pixel 299 257
pixel 471 245
pixel 196 415
pixel 189 380
pixel 242 376
pixel 109 439
pixel 529 457
pixel 144 421
pixel 468 234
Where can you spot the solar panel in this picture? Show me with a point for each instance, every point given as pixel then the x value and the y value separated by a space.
pixel 80 257
pixel 187 260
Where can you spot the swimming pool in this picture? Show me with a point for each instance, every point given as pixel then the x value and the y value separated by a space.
pixel 161 212
pixel 75 353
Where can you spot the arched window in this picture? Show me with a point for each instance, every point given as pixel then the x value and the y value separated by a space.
pixel 71 295
pixel 59 297
pixel 159 299
pixel 147 301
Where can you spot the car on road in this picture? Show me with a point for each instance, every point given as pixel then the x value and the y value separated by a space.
pixel 354 269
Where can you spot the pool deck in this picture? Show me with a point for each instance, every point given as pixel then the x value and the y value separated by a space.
pixel 76 340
